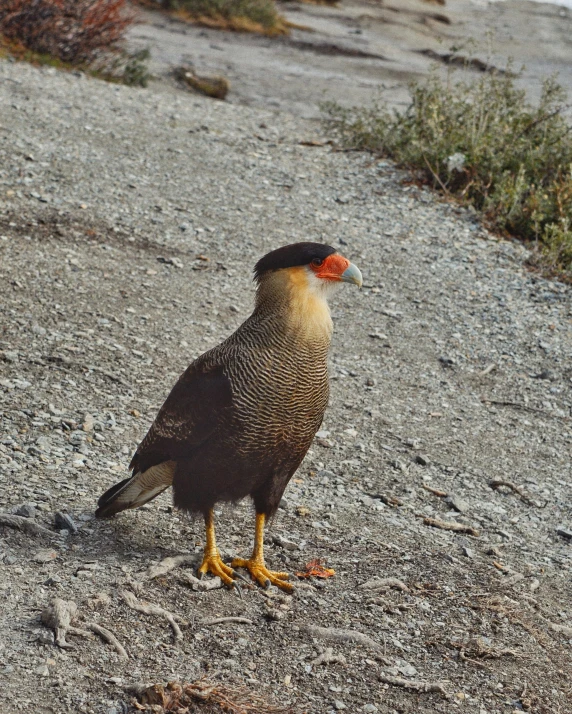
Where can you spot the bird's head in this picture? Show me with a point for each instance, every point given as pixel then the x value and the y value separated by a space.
pixel 296 280
pixel 313 267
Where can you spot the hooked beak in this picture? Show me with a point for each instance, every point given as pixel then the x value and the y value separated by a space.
pixel 352 274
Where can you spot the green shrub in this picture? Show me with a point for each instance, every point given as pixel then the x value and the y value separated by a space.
pixel 485 143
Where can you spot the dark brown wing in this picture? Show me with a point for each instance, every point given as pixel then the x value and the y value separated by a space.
pixel 195 408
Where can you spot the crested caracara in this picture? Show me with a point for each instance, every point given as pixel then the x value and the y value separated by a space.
pixel 243 415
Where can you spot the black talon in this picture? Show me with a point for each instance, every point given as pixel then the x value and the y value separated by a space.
pixel 239 575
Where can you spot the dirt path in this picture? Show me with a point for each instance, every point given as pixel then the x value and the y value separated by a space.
pixel 360 50
pixel 450 370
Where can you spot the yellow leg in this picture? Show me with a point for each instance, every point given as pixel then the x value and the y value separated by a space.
pixel 256 566
pixel 212 562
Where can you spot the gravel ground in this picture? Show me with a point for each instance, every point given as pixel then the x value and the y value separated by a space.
pixel 129 224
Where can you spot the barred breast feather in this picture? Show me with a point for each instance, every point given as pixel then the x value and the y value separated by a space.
pixel 241 418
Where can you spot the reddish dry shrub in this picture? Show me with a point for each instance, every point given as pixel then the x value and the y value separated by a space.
pixel 72 30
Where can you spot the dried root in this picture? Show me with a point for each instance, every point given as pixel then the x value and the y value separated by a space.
pixel 59 615
pixel 475 649
pixel 435 491
pixel 384 584
pixel 328 657
pixel 336 635
pixel 168 564
pixel 109 637
pixel 149 608
pixel 562 629
pixel 200 585
pixel 497 483
pixel 203 695
pixel 220 620
pixel 450 526
pixel 413 684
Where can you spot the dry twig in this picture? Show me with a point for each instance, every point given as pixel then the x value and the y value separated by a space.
pixel 497 483
pixel 384 584
pixel 435 491
pixel 334 634
pixel 109 637
pixel 450 526
pixel 149 608
pixel 413 684
pixel 562 629
pixel 207 621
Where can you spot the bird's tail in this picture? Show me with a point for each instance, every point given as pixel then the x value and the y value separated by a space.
pixel 133 492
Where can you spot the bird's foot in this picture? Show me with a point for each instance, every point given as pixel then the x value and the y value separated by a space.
pixel 212 563
pixel 262 575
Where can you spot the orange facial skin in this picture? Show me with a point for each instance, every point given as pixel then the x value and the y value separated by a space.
pixel 331 268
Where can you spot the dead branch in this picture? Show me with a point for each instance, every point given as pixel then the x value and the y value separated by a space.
pixel 207 621
pixel 334 634
pixel 450 526
pixel 26 525
pixel 384 584
pixel 108 637
pixel 413 684
pixel 168 564
pixel 497 483
pixel 389 500
pixel 328 657
pixel 435 491
pixel 150 608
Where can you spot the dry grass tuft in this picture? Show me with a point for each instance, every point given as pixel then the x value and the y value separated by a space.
pixel 317 2
pixel 260 16
pixel 73 31
pixel 486 144
pixel 203 696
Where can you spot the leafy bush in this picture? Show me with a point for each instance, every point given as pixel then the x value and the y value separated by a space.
pixel 485 143
pixel 233 14
pixel 128 68
pixel 74 31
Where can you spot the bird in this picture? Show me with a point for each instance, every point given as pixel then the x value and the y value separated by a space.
pixel 241 418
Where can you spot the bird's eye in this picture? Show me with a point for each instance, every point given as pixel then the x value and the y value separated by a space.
pixel 317 262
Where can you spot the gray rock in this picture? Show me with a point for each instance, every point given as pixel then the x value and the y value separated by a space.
pixel 63 521
pixel 27 510
pixel 457 503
